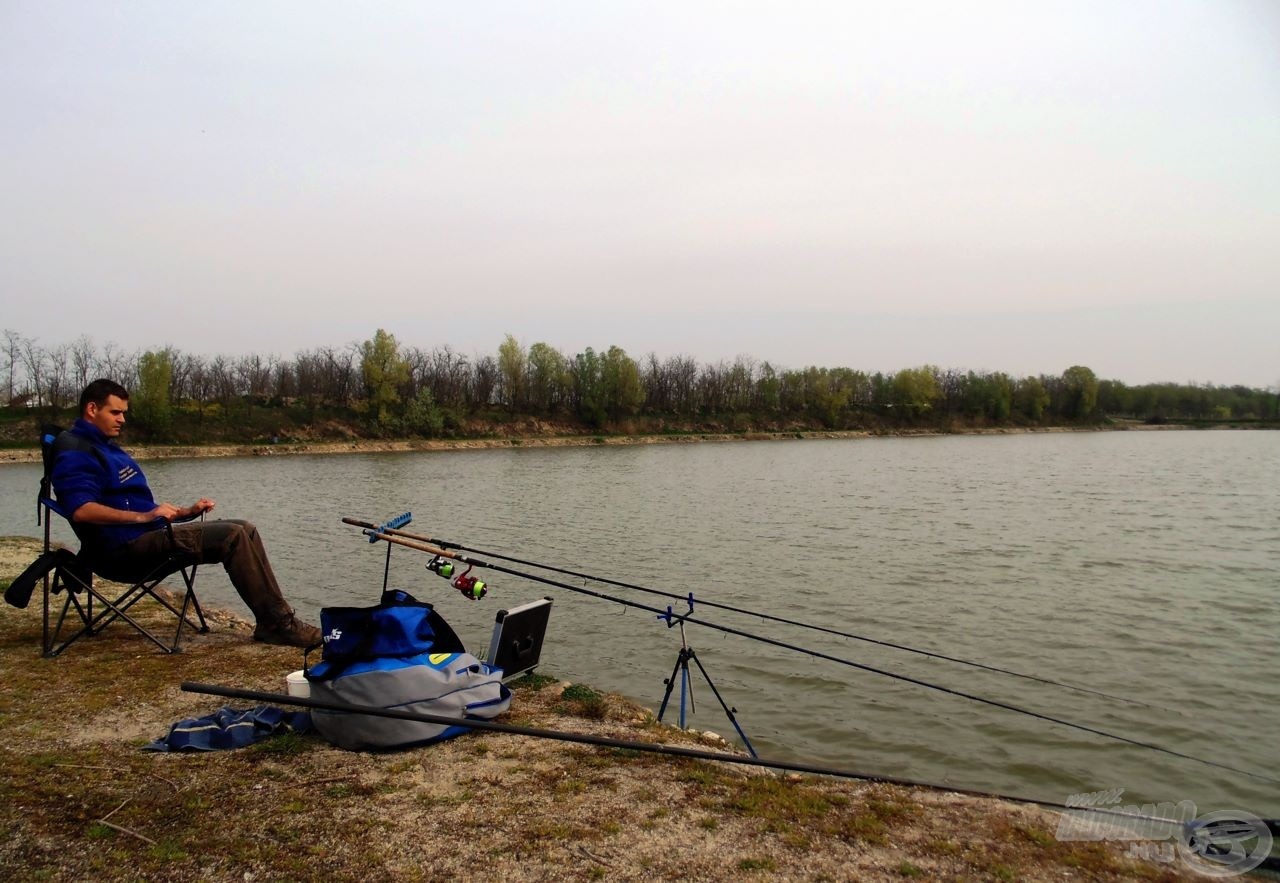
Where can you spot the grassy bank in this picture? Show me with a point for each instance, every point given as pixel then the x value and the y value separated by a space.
pixel 80 801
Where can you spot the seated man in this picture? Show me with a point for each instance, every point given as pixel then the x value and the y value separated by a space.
pixel 115 515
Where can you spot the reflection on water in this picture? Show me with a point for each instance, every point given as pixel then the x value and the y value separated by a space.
pixel 1141 564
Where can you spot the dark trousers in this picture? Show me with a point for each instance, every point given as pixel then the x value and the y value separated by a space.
pixel 234 544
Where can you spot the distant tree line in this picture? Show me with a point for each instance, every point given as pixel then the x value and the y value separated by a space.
pixel 392 389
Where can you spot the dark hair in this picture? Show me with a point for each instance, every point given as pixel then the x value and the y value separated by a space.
pixel 98 391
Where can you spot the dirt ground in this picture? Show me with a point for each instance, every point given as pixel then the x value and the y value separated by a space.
pixel 81 801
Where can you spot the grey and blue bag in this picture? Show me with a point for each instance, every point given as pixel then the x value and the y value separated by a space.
pixel 401 655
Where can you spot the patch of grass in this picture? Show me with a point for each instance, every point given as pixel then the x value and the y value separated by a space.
pixel 943 847
pixel 1038 836
pixel 571 786
pixel 906 869
pixel 583 701
pixel 863 827
pixel 196 802
pixel 708 823
pixel 446 800
pixel 797 840
pixel 779 802
pixel 891 810
pixel 544 830
pixel 285 745
pixel 702 774
pixel 757 864
pixel 167 850
pixel 1091 857
pixel 531 681
pixel 579 693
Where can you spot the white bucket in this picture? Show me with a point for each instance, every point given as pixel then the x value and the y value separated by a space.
pixel 296 685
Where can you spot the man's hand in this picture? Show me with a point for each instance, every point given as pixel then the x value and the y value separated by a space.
pixel 201 506
pixel 167 511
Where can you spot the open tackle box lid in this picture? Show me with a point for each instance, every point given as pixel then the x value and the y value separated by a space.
pixel 517 638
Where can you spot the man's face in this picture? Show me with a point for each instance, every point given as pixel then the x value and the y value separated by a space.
pixel 109 416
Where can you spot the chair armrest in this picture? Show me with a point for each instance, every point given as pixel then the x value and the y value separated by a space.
pixel 54 506
pixel 168 526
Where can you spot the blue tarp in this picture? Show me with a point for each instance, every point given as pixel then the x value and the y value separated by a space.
pixel 228 728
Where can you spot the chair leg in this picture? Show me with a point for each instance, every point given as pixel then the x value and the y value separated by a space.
pixel 119 610
pixel 86 627
pixel 93 622
pixel 189 600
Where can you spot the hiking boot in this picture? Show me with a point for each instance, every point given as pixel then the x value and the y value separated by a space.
pixel 290 631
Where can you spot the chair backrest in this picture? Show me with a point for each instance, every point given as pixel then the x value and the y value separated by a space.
pixel 48 437
pixel 54 440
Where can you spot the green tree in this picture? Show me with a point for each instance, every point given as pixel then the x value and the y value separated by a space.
pixel 915 389
pixel 511 364
pixel 1031 398
pixel 827 393
pixel 422 416
pixel 149 405
pixel 383 371
pixel 588 387
pixel 768 390
pixel 620 379
pixel 548 378
pixel 1079 393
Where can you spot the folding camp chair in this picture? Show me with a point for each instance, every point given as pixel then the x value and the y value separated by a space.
pixel 74 574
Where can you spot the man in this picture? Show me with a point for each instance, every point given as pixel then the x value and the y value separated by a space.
pixel 115 513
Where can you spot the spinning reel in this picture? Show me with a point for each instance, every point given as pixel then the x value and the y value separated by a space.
pixel 470 586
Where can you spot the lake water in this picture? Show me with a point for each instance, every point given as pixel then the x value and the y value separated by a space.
pixel 1142 564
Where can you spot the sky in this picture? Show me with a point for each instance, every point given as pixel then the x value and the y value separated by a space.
pixel 989 186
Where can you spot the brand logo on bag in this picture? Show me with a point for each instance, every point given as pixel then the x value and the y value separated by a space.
pixel 335 635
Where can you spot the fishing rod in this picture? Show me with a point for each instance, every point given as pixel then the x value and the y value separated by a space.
pixel 1188 827
pixel 377 533
pixel 448 544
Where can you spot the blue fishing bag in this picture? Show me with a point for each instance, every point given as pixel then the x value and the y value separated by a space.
pixel 400 655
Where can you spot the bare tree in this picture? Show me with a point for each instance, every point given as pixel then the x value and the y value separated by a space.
pixel 223 380
pixel 32 356
pixel 57 371
pixel 120 366
pixel 12 363
pixel 84 361
pixel 448 376
pixel 485 376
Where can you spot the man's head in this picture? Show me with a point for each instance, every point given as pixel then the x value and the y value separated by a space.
pixel 104 403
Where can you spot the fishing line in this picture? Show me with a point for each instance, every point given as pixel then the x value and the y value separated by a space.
pixel 656 748
pixel 447 544
pixel 670 617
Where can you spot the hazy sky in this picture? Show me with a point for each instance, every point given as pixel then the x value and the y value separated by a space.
pixel 1016 186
